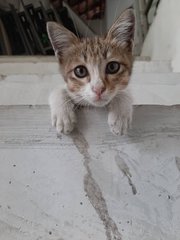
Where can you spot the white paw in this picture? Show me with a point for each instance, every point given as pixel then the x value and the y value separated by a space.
pixel 62 111
pixel 119 124
pixel 120 113
pixel 64 121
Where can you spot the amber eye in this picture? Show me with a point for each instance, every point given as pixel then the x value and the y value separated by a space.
pixel 81 71
pixel 112 67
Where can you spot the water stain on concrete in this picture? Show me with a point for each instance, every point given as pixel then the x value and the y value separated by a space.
pixel 93 190
pixel 125 170
pixel 10 227
pixel 177 159
pixel 2 77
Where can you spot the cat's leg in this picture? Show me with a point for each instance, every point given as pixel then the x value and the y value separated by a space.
pixel 120 113
pixel 62 111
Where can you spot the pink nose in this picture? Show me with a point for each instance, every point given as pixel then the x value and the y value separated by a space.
pixel 98 90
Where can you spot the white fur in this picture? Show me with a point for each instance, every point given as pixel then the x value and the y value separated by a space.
pixel 94 73
pixel 95 82
pixel 122 31
pixel 120 113
pixel 119 104
pixel 62 111
pixel 86 93
pixel 64 118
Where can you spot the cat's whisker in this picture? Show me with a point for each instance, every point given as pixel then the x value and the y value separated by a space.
pixel 77 106
pixel 91 68
pixel 66 102
pixel 70 100
pixel 119 92
pixel 80 103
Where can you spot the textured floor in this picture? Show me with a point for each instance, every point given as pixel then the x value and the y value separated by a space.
pixel 90 185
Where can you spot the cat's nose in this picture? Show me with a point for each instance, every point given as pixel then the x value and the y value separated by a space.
pixel 98 90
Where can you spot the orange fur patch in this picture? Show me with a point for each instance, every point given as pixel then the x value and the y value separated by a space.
pixel 97 51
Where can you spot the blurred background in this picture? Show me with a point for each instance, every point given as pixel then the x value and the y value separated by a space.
pixel 23 22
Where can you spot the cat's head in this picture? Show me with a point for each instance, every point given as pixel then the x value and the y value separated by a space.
pixel 95 69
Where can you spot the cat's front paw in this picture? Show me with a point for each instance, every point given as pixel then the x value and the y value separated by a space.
pixel 64 121
pixel 119 125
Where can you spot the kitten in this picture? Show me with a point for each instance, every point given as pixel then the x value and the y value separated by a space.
pixel 96 72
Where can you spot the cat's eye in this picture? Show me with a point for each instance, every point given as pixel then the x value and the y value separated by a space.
pixel 81 71
pixel 112 67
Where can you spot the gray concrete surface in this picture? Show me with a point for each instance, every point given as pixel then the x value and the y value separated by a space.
pixel 91 184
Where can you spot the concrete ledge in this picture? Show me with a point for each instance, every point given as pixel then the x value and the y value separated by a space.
pixel 29 80
pixel 48 65
pixel 89 185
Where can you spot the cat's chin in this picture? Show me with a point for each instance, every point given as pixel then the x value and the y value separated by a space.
pixel 100 103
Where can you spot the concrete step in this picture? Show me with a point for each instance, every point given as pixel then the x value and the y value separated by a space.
pixel 49 65
pixel 29 80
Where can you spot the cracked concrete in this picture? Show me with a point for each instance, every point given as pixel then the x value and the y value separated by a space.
pixel 93 190
pixel 89 185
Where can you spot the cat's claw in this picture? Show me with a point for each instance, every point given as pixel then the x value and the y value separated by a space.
pixel 64 121
pixel 63 116
pixel 119 125
pixel 120 115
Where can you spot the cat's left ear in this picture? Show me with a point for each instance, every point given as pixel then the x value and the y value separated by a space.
pixel 60 37
pixel 122 31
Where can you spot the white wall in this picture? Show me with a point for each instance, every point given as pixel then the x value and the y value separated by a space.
pixel 163 39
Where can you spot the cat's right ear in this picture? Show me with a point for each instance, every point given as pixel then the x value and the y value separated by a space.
pixel 60 37
pixel 122 31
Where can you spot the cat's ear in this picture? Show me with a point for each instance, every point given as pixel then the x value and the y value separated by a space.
pixel 60 37
pixel 122 31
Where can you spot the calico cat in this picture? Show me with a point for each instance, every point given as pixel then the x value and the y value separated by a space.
pixel 96 72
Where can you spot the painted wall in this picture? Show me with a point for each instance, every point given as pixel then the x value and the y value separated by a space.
pixel 163 39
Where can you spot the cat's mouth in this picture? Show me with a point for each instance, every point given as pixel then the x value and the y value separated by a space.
pixel 100 101
pixel 93 100
pixel 100 104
